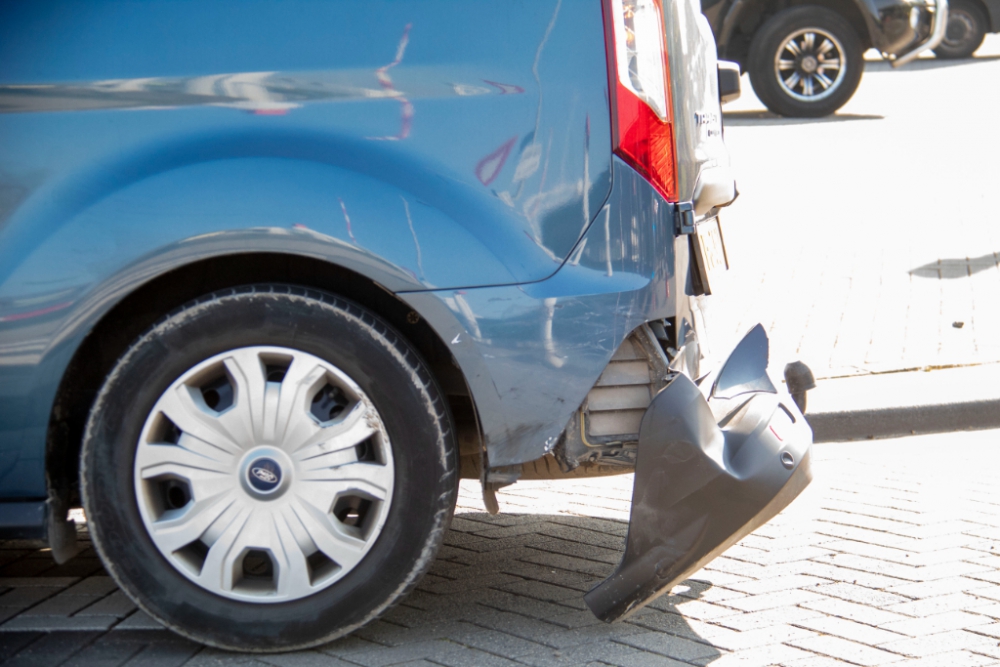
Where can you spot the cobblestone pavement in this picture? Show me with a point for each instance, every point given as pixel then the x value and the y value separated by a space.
pixel 890 557
pixel 860 239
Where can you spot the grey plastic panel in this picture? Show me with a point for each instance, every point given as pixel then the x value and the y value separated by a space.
pixel 699 488
pixel 745 370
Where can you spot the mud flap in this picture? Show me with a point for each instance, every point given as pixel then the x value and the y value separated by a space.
pixel 705 480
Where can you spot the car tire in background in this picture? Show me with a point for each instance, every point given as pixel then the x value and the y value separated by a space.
pixel 268 468
pixel 967 25
pixel 805 62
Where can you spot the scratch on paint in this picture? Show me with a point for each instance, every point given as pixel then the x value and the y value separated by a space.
pixel 416 243
pixel 382 74
pixel 347 219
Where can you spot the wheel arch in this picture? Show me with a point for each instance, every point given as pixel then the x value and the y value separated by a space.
pixel 992 9
pixel 747 16
pixel 133 314
pixel 992 17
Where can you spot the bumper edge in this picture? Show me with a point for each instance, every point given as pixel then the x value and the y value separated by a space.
pixel 604 596
pixel 700 487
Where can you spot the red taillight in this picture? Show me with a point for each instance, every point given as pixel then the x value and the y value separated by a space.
pixel 640 90
pixel 645 142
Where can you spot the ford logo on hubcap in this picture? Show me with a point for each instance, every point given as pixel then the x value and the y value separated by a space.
pixel 264 475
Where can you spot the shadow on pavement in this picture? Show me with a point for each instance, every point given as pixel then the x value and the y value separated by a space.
pixel 949 269
pixel 512 585
pixel 748 118
pixel 502 587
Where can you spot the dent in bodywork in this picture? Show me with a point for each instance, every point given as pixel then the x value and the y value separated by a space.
pixel 703 481
pixel 530 353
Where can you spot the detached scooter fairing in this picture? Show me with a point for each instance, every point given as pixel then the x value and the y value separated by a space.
pixel 709 471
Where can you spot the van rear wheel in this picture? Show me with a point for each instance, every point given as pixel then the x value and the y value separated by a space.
pixel 805 62
pixel 268 468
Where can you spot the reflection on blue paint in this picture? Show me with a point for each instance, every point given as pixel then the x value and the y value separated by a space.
pixel 458 153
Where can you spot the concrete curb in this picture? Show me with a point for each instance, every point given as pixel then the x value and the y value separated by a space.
pixel 902 421
pixel 908 403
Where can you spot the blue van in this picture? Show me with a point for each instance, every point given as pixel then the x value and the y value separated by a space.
pixel 275 275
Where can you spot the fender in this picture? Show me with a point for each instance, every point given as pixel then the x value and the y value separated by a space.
pixel 71 253
pixel 992 8
pixel 730 18
pixel 725 20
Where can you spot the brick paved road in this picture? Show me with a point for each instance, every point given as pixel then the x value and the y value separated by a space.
pixel 859 239
pixel 891 557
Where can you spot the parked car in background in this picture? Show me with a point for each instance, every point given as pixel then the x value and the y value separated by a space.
pixel 274 276
pixel 805 59
pixel 968 23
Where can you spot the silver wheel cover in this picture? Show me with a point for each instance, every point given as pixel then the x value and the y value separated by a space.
pixel 810 65
pixel 264 474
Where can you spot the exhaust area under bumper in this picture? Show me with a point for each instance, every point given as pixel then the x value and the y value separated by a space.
pixel 708 473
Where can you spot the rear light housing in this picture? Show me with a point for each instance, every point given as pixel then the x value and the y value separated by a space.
pixel 642 123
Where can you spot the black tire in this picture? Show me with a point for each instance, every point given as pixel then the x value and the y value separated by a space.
pixel 339 332
pixel 966 30
pixel 768 43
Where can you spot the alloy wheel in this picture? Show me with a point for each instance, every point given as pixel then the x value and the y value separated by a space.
pixel 810 64
pixel 264 474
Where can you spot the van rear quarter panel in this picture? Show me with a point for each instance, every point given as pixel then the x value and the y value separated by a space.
pixel 426 145
pixel 542 346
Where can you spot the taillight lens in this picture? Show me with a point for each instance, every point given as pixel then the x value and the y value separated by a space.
pixel 643 131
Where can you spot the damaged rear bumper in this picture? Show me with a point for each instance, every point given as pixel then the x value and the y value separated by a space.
pixel 709 471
